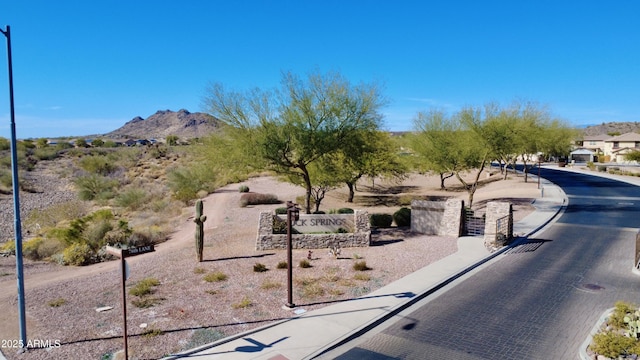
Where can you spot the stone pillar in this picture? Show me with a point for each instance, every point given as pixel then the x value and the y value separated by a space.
pixel 452 220
pixel 498 210
pixel 426 216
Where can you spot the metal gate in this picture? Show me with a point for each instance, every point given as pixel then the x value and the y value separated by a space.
pixel 504 230
pixel 473 223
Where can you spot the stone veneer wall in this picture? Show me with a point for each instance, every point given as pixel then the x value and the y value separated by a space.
pixel 267 240
pixel 442 218
pixel 495 211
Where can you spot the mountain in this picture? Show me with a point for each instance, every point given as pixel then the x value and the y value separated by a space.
pixel 182 123
pixel 612 127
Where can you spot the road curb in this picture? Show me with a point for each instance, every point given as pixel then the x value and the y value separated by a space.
pixel 399 308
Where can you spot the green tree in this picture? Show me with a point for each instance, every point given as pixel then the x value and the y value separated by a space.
pixel 434 136
pixel 291 128
pixel 42 143
pixel 633 156
pixel 371 154
pixel 97 143
pixel 4 144
pixel 450 145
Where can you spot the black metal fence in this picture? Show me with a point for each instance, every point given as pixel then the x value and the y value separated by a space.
pixel 473 223
pixel 504 229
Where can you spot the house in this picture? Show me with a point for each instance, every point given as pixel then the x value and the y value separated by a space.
pixel 618 146
pixel 595 143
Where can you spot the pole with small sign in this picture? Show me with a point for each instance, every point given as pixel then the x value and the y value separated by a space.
pixel 293 214
pixel 124 271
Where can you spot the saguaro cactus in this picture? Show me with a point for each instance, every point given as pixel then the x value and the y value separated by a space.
pixel 199 220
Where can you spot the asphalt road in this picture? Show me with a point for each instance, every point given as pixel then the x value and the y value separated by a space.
pixel 537 301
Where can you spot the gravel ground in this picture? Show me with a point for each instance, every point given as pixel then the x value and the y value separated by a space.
pixel 188 310
pixel 46 189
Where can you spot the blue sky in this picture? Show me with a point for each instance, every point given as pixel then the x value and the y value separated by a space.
pixel 87 67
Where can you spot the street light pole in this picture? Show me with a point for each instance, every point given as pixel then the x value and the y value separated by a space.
pixel 539 163
pixel 293 213
pixel 16 199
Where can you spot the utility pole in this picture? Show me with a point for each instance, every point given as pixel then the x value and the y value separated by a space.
pixel 16 200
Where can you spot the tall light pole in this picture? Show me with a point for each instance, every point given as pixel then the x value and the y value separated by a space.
pixel 16 199
pixel 293 214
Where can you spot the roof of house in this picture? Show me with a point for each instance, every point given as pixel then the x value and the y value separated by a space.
pixel 628 137
pixel 582 151
pixel 599 137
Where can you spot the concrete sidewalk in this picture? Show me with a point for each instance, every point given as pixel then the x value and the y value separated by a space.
pixel 312 334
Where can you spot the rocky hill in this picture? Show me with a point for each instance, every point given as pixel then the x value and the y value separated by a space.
pixel 182 123
pixel 612 127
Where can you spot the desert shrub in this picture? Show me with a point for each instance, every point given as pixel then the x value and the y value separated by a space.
pixel 345 211
pixel 259 268
pixel 258 199
pixel 132 198
pixel 621 309
pixel 6 181
pixel 4 144
pixel 591 165
pixel 215 277
pixel 361 277
pixel 144 287
pixel 46 153
pixel 282 265
pixel 30 248
pixel 613 344
pixel 402 217
pixel 147 236
pixel 311 288
pixel 243 189
pixel 57 302
pixel 281 211
pixel 269 284
pixel 405 200
pixel 361 266
pixel 96 231
pixel 244 303
pixel 95 186
pixel 381 220
pixel 304 263
pixel 199 270
pixel 184 184
pixel 49 247
pixel 602 168
pixel 77 254
pixel 319 212
pixel 9 248
pixel 146 302
pixel 40 248
pixel 97 164
pixel 51 216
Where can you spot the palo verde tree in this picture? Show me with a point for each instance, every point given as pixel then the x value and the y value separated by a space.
pixel 450 145
pixel 435 133
pixel 371 154
pixel 288 129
